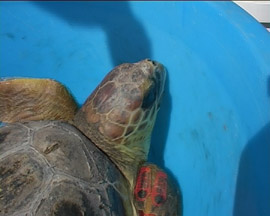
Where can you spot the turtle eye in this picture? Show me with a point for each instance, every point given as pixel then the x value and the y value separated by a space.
pixel 150 97
pixel 154 63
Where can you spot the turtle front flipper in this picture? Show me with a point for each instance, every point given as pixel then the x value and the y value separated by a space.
pixel 155 193
pixel 35 99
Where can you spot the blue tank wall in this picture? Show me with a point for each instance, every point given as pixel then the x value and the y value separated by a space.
pixel 213 129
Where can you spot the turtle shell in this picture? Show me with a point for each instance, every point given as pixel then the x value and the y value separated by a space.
pixel 51 168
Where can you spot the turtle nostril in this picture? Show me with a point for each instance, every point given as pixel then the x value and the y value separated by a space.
pixel 153 62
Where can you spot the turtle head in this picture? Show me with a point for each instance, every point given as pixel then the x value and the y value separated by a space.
pixel 120 114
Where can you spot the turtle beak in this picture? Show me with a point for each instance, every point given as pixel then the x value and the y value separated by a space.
pixel 156 79
pixel 159 77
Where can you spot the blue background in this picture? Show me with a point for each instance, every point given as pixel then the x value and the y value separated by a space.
pixel 212 132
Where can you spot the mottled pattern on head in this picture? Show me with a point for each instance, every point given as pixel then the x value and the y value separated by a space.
pixel 120 114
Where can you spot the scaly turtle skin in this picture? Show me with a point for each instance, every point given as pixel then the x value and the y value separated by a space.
pixel 66 170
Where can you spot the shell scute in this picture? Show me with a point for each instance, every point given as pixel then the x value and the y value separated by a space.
pixel 58 170
pixel 22 179
pixel 63 151
pixel 12 136
pixel 65 197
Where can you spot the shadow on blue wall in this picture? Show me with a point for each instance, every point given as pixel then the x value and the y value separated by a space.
pixel 160 133
pixel 127 39
pixel 253 184
pixel 159 139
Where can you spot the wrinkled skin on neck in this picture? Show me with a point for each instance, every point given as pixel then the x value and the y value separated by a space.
pixel 120 114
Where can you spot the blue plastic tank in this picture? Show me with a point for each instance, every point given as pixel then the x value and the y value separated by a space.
pixel 213 129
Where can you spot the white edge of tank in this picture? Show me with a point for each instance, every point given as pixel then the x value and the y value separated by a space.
pixel 260 10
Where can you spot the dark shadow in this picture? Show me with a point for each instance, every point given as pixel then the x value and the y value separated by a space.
pixel 253 183
pixel 160 132
pixel 126 37
pixel 159 139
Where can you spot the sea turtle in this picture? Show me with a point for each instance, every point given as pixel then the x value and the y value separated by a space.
pixel 56 159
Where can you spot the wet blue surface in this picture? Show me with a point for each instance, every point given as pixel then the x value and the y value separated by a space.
pixel 212 132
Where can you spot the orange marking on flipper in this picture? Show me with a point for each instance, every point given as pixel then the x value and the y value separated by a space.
pixel 159 190
pixel 143 184
pixel 141 213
